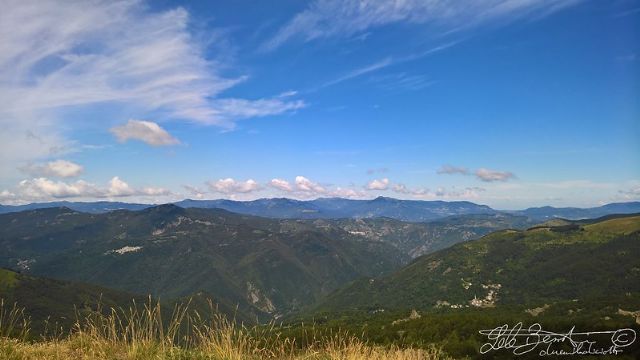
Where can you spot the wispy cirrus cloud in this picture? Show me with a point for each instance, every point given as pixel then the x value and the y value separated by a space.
pixel 360 71
pixel 61 55
pixel 401 80
pixel 69 53
pixel 348 18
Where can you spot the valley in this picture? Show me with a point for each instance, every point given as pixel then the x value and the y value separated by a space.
pixel 378 276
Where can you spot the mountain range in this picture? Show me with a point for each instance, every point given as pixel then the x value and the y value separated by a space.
pixel 256 263
pixel 168 251
pixel 392 281
pixel 331 208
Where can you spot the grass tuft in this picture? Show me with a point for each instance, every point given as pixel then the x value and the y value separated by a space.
pixel 141 333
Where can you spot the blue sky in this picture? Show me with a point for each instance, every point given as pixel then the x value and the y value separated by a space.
pixel 506 103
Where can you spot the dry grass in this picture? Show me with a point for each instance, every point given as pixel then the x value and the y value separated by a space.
pixel 140 333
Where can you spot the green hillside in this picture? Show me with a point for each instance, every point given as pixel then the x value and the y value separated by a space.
pixel 544 264
pixel 57 300
pixel 268 267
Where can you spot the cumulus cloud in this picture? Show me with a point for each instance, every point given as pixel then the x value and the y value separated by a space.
pixel 57 168
pixel 44 189
pixel 305 185
pixel 118 187
pixel 231 186
pixel 281 184
pixel 487 175
pixel 450 170
pixel 146 131
pixel 381 184
pixel 347 18
pixel 7 196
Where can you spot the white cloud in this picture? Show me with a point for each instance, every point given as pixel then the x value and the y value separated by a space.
pixel 402 81
pixel 65 53
pixel 57 56
pixel 118 187
pixel 44 189
pixel 305 185
pixel 306 188
pixel 361 71
pixel 228 111
pixel 382 184
pixel 281 185
pixel 231 186
pixel 288 93
pixel 346 18
pixel 7 196
pixel 57 168
pixel 155 191
pixel 388 61
pixel 493 175
pixel 147 131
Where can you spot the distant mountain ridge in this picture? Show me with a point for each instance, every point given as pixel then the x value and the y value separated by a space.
pixel 94 207
pixel 573 213
pixel 333 208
